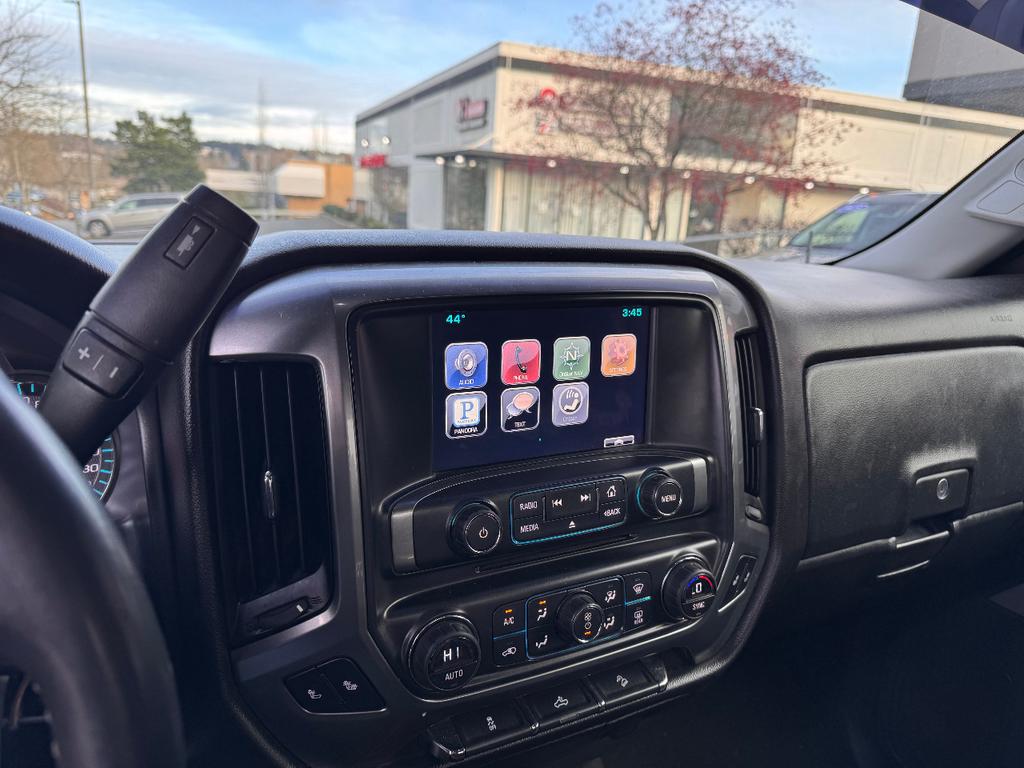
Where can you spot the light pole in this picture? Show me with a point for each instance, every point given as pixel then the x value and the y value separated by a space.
pixel 85 100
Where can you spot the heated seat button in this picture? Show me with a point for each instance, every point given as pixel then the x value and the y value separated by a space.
pixel 561 703
pixel 509 650
pixel 571 502
pixel 624 683
pixel 314 693
pixel 355 689
pixel 491 725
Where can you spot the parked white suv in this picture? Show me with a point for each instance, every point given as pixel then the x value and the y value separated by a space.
pixel 129 214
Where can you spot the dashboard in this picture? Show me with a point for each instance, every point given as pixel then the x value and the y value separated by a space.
pixel 541 487
pixel 417 499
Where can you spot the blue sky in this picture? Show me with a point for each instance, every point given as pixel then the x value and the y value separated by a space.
pixel 333 59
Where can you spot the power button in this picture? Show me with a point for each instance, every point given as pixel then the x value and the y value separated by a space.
pixel 475 529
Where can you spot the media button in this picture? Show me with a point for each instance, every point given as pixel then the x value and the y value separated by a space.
pixel 465 365
pixel 520 361
pixel 529 529
pixel 571 502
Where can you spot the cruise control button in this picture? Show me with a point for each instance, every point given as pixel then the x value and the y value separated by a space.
pixel 490 725
pixel 638 616
pixel 607 593
pixel 638 585
pixel 562 703
pixel 543 641
pixel 527 505
pixel 541 610
pixel 355 689
pixel 624 683
pixel 314 693
pixel 510 650
pixel 571 502
pixel 508 619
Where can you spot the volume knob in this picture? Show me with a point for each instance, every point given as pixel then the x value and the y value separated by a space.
pixel 475 529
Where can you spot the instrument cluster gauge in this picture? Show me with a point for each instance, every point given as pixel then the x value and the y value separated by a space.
pixel 100 470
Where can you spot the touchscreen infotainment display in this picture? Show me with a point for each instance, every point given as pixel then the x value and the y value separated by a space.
pixel 512 384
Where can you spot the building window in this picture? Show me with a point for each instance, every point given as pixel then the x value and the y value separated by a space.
pixel 465 196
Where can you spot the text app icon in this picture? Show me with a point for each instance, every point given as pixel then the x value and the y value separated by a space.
pixel 618 354
pixel 465 415
pixel 520 361
pixel 571 358
pixel 465 365
pixel 570 404
pixel 520 409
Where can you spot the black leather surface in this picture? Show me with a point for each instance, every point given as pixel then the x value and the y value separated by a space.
pixel 878 423
pixel 74 615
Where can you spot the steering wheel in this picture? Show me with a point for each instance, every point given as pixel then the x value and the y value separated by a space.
pixel 74 614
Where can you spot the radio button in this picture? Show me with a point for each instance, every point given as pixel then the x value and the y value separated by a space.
pixel 508 619
pixel 570 502
pixel 527 505
pixel 540 611
pixel 543 641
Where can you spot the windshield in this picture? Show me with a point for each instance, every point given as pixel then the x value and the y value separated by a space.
pixel 758 129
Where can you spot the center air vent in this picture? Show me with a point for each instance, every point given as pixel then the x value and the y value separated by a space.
pixel 752 412
pixel 273 502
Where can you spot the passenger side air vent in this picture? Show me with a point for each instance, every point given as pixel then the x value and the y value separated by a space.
pixel 752 411
pixel 273 500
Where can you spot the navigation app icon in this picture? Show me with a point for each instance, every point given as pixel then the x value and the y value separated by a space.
pixel 571 358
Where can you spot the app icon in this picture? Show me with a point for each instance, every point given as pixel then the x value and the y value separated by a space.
pixel 618 354
pixel 465 415
pixel 520 361
pixel 465 365
pixel 520 409
pixel 570 404
pixel 571 359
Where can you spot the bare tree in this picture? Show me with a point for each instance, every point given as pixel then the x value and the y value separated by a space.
pixel 32 103
pixel 662 92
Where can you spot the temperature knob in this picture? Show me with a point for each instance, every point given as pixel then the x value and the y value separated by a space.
pixel 689 589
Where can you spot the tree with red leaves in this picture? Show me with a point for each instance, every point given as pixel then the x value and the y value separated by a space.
pixel 659 92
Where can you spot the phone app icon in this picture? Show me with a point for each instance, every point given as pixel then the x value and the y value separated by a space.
pixel 618 354
pixel 570 404
pixel 465 365
pixel 520 361
pixel 465 415
pixel 571 358
pixel 520 409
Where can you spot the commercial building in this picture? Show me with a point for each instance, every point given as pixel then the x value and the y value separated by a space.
pixel 297 186
pixel 474 148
